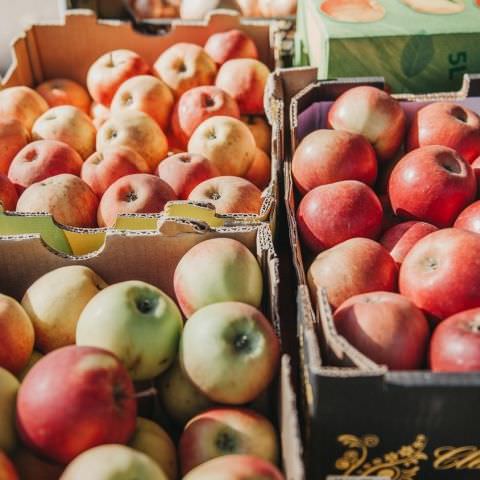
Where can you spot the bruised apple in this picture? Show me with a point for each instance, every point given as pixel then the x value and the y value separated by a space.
pixel 66 197
pixel 69 125
pixel 55 301
pixel 198 104
pixel 137 193
pixel 356 266
pixel 184 171
pixel 224 46
pixel 229 195
pixel 108 72
pixel 16 341
pixel 13 137
pixel 22 104
pixel 62 91
pixel 91 388
pixel 225 431
pixel 43 159
pixel 386 327
pixel 333 213
pixel 184 66
pixel 196 276
pixel 8 194
pixel 244 79
pixel 147 94
pixel 101 169
pixel 135 130
pixel 374 114
pixel 242 356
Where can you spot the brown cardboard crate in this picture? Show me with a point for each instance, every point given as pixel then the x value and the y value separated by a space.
pixel 49 50
pixel 152 257
pixel 357 412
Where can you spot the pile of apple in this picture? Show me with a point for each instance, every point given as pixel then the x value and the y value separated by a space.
pixel 197 9
pixel 204 104
pixel 73 402
pixel 401 264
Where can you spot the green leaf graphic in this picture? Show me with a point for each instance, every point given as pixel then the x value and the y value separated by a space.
pixel 417 54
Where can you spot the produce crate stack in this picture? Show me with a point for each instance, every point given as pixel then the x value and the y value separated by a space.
pixel 390 387
pixel 100 216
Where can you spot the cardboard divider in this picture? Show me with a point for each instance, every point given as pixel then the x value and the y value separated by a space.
pixel 152 256
pixel 363 421
pixel 37 56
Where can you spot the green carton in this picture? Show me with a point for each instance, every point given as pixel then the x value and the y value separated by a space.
pixel 419 46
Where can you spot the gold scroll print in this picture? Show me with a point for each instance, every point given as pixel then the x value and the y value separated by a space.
pixel 400 465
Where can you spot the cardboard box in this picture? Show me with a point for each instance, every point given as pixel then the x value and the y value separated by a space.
pixel 153 257
pixel 409 42
pixel 361 420
pixel 48 50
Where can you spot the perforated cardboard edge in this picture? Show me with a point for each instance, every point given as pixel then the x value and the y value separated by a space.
pixel 26 69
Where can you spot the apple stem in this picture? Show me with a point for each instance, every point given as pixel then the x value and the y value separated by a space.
pixel 149 392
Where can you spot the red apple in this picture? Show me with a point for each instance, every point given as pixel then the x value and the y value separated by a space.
pixel 372 113
pixel 8 194
pixel 224 46
pixel 469 219
pixel 101 169
pixel 93 391
pixel 184 171
pixel 138 193
pixel 229 195
pixel 184 66
pixel 244 79
pixel 386 327
pixel 66 197
pixel 331 214
pixel 226 431
pixel 147 94
pixel 400 239
pixel 13 137
pixel 198 104
pixel 389 218
pixel 22 104
pixel 476 171
pixel 356 266
pixel 328 156
pixel 432 184
pixel 109 71
pixel 235 467
pixel 62 91
pixel 7 470
pixel 42 159
pixel 455 345
pixel 441 273
pixel 447 124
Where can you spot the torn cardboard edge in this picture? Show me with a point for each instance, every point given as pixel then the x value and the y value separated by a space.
pixel 34 61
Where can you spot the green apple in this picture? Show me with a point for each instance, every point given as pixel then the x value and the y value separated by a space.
pixel 113 462
pixel 180 398
pixel 34 358
pixel 137 322
pixel 230 352
pixel 8 396
pixel 54 303
pixel 217 270
pixel 152 440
